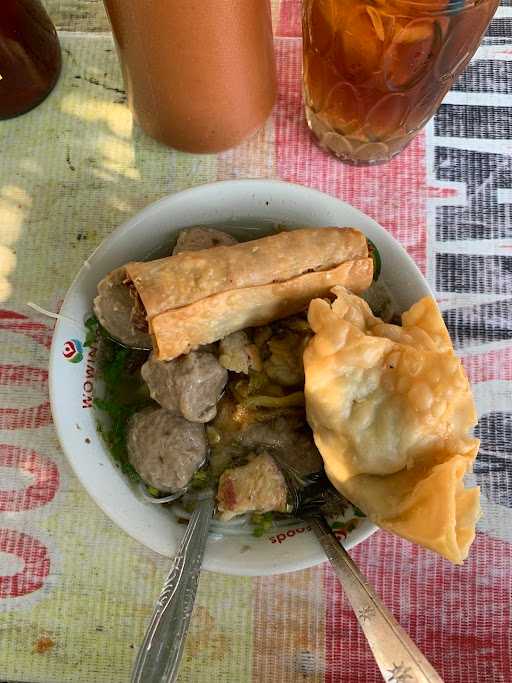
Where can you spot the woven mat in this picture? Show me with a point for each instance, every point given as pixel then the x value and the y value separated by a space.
pixel 76 592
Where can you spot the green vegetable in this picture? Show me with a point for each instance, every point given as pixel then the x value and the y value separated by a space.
pixel 114 369
pixel 92 325
pixel 262 523
pixel 213 435
pixel 115 435
pixel 201 480
pixel 124 393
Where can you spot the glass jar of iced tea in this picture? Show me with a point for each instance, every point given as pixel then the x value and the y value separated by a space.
pixel 375 71
pixel 30 58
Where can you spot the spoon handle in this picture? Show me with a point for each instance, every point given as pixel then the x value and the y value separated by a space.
pixel 160 654
pixel 397 657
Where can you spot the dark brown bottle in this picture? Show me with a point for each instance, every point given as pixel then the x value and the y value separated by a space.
pixel 30 58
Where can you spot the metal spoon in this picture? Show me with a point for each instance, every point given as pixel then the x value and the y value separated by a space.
pixel 160 654
pixel 397 657
pixel 117 341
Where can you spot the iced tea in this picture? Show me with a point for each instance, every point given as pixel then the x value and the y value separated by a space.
pixel 375 71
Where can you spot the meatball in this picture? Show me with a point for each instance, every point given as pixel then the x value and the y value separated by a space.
pixel 195 239
pixel 200 381
pixel 114 307
pixel 165 449
pixel 293 447
pixel 190 385
pixel 160 378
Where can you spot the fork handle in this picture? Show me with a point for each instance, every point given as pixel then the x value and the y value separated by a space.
pixel 396 655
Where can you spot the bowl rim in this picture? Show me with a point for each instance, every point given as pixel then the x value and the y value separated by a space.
pixel 366 528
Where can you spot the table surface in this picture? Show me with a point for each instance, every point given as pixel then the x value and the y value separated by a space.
pixel 75 591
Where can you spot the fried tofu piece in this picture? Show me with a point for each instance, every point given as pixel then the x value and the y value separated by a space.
pixel 238 354
pixel 258 486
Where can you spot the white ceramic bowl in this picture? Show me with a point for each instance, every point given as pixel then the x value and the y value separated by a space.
pixel 248 208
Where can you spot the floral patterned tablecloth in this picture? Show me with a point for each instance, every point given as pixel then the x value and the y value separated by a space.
pixel 75 591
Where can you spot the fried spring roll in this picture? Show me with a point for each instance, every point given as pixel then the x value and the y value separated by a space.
pixel 180 330
pixel 187 277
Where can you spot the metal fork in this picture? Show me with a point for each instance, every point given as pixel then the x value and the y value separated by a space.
pixel 396 655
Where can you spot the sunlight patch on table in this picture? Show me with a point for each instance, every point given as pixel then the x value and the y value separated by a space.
pixel 120 204
pixel 30 166
pixel 14 203
pixel 7 266
pixel 119 156
pixel 116 116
